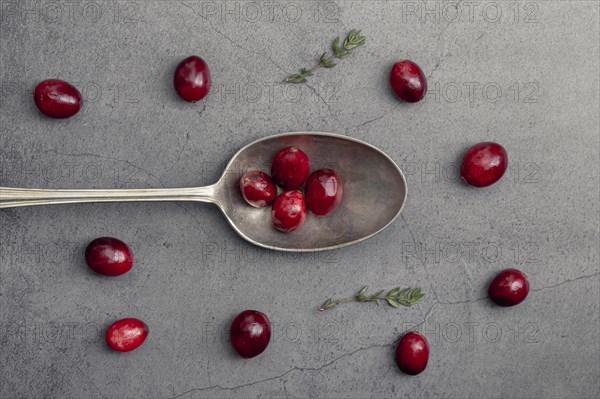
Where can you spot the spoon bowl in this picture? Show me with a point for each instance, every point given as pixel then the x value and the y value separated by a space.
pixel 374 193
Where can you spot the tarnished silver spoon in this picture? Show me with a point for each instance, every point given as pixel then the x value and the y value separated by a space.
pixel 374 193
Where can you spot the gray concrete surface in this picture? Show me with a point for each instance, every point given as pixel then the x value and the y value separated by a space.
pixel 525 74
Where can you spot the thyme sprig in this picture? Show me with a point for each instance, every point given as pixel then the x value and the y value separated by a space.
pixel 327 60
pixel 395 297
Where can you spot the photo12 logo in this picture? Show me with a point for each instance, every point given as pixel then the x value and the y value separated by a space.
pixel 92 92
pixel 64 334
pixel 70 172
pixel 437 172
pixel 269 92
pixel 32 251
pixel 71 12
pixel 20 163
pixel 252 11
pixel 493 12
pixel 477 332
pixel 487 92
pixel 470 252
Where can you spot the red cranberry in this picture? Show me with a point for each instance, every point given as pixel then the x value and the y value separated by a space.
pixel 250 333
pixel 192 79
pixel 484 164
pixel 258 189
pixel 289 211
pixel 412 353
pixel 126 334
pixel 408 81
pixel 323 191
pixel 290 168
pixel 509 287
pixel 108 256
pixel 57 99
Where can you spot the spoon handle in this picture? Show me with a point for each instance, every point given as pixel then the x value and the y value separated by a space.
pixel 13 197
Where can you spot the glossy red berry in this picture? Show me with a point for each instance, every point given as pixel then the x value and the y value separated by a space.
pixel 323 191
pixel 290 168
pixel 126 334
pixel 250 333
pixel 57 99
pixel 288 211
pixel 108 256
pixel 192 79
pixel 484 164
pixel 509 287
pixel 258 189
pixel 412 353
pixel 408 81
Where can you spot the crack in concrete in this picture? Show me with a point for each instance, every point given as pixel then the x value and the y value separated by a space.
pixel 427 277
pixel 580 278
pixel 233 42
pixel 310 369
pixel 566 282
pixel 465 301
pixel 160 183
pixel 59 351
pixel 368 121
pixel 319 368
pixel 441 40
pixel 88 154
pixel 200 111
pixel 316 92
pixel 435 68
pixel 86 376
pixel 427 315
pixel 263 55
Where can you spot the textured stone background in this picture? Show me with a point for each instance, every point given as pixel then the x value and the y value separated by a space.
pixel 523 73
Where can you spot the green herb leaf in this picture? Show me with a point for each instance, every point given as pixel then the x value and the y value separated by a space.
pixel 395 297
pixel 353 40
pixel 305 72
pixel 327 62
pixel 337 50
pixel 295 79
pixel 392 302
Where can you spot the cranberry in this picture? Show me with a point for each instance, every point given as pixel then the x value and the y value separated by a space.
pixel 126 334
pixel 108 256
pixel 509 287
pixel 408 81
pixel 57 99
pixel 412 353
pixel 289 211
pixel 192 79
pixel 258 189
pixel 484 164
pixel 290 168
pixel 250 333
pixel 323 191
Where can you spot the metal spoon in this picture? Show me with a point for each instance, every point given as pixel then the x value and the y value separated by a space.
pixel 374 193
